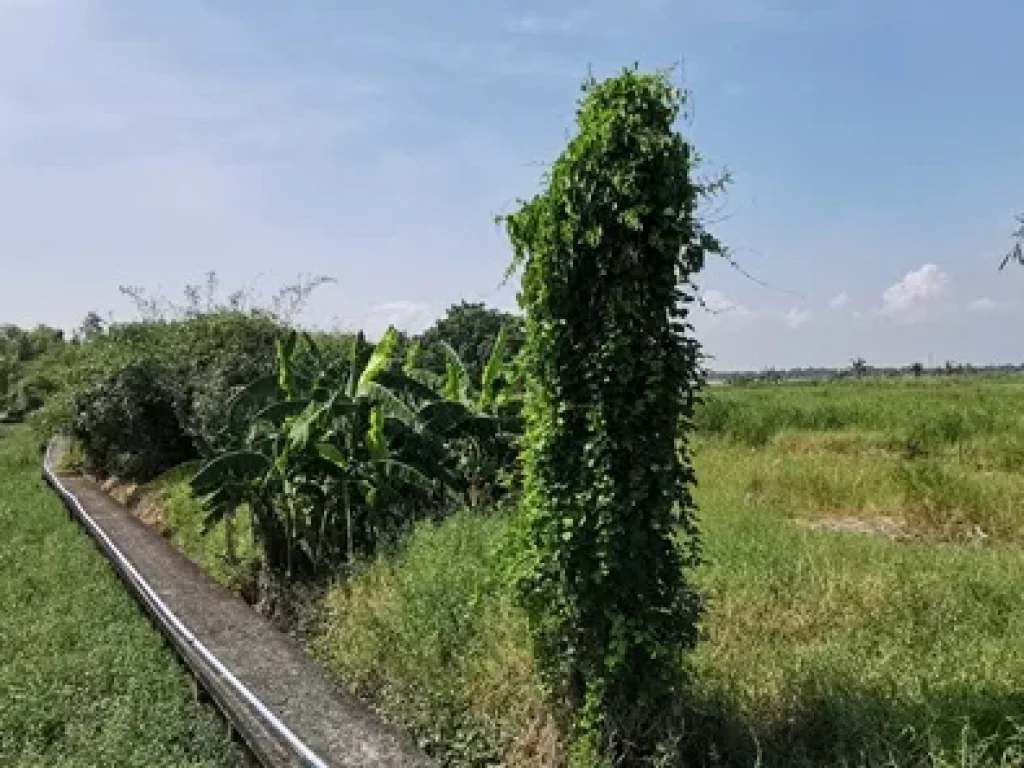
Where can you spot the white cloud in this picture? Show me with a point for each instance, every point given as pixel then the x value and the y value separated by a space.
pixel 797 317
pixel 409 316
pixel 840 301
pixel 916 293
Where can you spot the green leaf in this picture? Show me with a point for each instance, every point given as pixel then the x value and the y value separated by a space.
pixel 285 363
pixel 301 432
pixel 456 385
pixel 493 368
pixel 332 454
pixel 253 393
pixel 278 413
pixel 406 473
pixel 243 466
pixel 404 385
pixel 444 416
pixel 379 360
pixel 376 443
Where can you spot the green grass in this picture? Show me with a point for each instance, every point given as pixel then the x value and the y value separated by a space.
pixel 84 678
pixel 821 648
pixel 936 411
pixel 182 519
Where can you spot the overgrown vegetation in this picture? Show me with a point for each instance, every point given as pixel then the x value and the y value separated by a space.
pixel 609 248
pixel 333 456
pixel 84 678
pixel 22 388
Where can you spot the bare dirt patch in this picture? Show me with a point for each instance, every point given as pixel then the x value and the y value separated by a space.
pixel 894 528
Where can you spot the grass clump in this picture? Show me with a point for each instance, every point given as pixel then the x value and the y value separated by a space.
pixel 169 504
pixel 84 678
pixel 432 637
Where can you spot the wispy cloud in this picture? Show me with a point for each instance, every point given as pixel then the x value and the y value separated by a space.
pixel 839 301
pixel 566 23
pixel 718 304
pixel 797 317
pixel 986 305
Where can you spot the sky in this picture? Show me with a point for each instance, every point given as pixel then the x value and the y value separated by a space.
pixel 876 149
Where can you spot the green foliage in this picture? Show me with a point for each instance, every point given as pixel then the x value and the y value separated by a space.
pixel 824 649
pixel 935 412
pixel 225 550
pixel 22 389
pixel 471 330
pixel 129 425
pixel 335 455
pixel 433 636
pixel 141 395
pixel 609 248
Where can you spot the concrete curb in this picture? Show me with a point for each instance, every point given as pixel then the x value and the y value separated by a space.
pixel 301 732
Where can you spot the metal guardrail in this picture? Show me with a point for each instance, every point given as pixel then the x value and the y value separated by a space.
pixel 170 621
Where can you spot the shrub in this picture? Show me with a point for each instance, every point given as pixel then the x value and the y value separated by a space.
pixel 130 424
pixel 186 368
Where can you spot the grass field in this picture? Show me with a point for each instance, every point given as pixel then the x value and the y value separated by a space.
pixel 85 680
pixel 893 636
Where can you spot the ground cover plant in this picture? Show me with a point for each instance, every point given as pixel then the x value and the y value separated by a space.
pixel 84 678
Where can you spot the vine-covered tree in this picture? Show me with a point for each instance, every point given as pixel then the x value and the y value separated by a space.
pixel 608 249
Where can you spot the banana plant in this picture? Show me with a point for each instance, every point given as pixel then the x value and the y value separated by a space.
pixel 327 456
pixel 497 398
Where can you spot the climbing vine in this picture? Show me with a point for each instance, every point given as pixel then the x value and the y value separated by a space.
pixel 607 250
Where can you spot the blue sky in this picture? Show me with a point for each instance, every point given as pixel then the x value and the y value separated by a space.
pixel 876 146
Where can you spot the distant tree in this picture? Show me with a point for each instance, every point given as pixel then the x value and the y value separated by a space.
pixel 917 369
pixel 26 346
pixel 92 325
pixel 1016 253
pixel 470 328
pixel 858 366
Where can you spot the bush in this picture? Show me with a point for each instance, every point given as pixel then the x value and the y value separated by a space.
pixel 130 424
pixel 174 376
